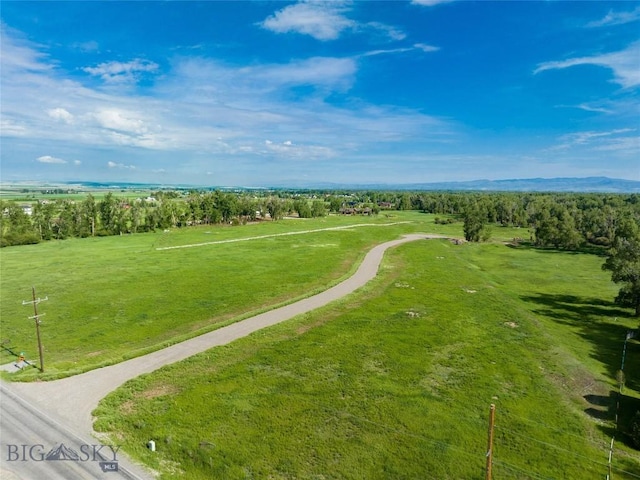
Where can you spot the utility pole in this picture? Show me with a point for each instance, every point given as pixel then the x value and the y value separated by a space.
pixel 492 419
pixel 36 317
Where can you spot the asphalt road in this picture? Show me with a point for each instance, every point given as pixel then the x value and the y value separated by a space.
pixel 36 417
pixel 37 446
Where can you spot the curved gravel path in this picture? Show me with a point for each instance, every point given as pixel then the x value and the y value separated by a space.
pixel 73 399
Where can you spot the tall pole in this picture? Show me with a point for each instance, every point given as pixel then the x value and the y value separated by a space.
pixel 36 317
pixel 492 419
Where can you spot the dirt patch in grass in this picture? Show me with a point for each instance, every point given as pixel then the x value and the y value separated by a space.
pixel 306 327
pixel 127 407
pixel 159 391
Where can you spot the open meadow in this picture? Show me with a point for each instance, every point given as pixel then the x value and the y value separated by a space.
pixel 395 381
pixel 112 298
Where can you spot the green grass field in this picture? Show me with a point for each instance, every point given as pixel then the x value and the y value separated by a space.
pixel 395 381
pixel 113 298
pixel 34 193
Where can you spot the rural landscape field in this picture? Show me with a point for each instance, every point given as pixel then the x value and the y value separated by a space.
pixel 393 381
pixel 320 240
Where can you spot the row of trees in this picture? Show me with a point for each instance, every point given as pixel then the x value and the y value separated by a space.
pixel 112 215
pixel 567 221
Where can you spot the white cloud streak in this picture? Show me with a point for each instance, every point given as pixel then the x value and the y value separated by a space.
pixel 623 141
pixel 616 18
pixel 624 64
pixel 417 46
pixel 122 72
pixel 430 3
pixel 19 54
pixel 50 159
pixel 120 165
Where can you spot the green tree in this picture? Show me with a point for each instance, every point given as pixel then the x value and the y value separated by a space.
pixel 624 264
pixel 43 219
pixel 302 208
pixel 318 208
pixel 108 209
pixel 276 208
pixel 15 225
pixel 90 215
pixel 335 204
pixel 475 223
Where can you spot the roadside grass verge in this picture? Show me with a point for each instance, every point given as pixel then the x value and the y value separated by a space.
pixel 114 298
pixel 395 381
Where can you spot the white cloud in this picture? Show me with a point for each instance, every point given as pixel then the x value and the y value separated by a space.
pixel 121 121
pixel 426 48
pixel 390 32
pixel 60 114
pixel 591 108
pixel 20 54
pixel 122 72
pixel 622 140
pixel 10 128
pixel 624 64
pixel 417 46
pixel 616 18
pixel 50 159
pixel 322 21
pixel 319 71
pixel 203 80
pixel 77 162
pixel 204 109
pixel 429 3
pixel 120 165
pixel 288 149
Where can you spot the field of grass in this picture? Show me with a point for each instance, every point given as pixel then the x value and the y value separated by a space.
pixel 113 298
pixel 395 381
pixel 34 193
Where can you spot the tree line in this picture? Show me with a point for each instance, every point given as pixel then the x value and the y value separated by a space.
pixel 64 218
pixel 558 220
pixel 563 220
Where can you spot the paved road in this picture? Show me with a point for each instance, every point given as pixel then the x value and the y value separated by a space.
pixel 62 408
pixel 37 446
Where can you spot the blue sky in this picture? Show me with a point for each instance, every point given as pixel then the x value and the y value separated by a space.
pixel 258 93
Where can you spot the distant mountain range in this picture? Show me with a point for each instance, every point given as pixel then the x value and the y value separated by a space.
pixel 588 184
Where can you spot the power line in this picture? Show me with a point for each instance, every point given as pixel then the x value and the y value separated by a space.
pixel 513 468
pixel 555 429
pixel 625 472
pixel 528 437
